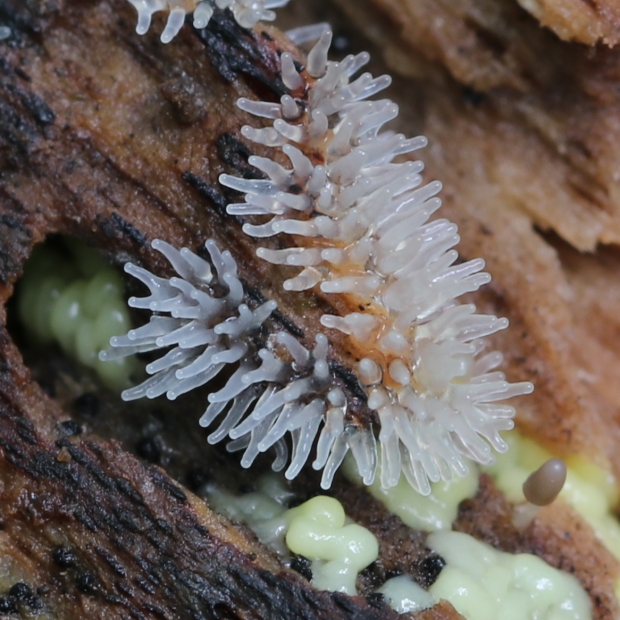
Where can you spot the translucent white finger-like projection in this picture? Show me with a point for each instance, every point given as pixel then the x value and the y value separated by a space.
pixel 274 389
pixel 247 13
pixel 361 228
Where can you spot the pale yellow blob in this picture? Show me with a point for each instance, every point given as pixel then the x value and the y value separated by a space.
pixel 317 530
pixel 406 596
pixel 589 489
pixel 430 513
pixel 77 301
pixel 485 584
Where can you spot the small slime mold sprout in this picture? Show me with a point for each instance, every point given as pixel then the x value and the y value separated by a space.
pixel 247 13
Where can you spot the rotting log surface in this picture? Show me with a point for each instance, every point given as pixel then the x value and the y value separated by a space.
pixel 118 140
pixel 542 103
pixel 590 22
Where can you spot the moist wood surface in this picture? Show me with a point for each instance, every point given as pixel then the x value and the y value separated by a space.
pixel 118 140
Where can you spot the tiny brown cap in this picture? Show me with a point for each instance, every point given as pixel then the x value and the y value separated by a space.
pixel 545 484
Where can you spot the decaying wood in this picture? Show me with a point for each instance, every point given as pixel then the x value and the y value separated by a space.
pixel 118 140
pixel 575 20
pixel 541 103
pixel 523 132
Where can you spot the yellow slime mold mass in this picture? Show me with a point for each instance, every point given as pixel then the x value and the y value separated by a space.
pixel 76 300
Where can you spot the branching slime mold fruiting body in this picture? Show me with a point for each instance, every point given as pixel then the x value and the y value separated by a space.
pixel 246 12
pixel 287 388
pixel 361 226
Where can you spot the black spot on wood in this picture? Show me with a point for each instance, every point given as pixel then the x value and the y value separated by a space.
pixel 86 582
pixel 471 97
pixel 234 51
pixel 130 492
pixel 19 72
pixel 394 572
pixel 429 569
pixel 164 483
pixel 235 153
pixel 86 405
pixel 116 227
pixel 23 17
pixel 7 606
pixel 197 478
pixel 22 594
pixel 348 377
pixel 41 112
pixel 64 557
pixel 148 448
pixel 15 241
pixel 376 599
pixel 303 566
pixel 25 429
pixel 70 428
pixel 15 130
pixel 212 192
pixel 345 603
pixel 114 563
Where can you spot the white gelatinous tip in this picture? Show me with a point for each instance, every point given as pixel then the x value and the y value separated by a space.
pixel 378 399
pixel 332 255
pixel 202 15
pixel 319 124
pixel 526 388
pixel 305 34
pixel 267 136
pixel 144 23
pixel 145 9
pixel 175 22
pixel 370 371
pixel 502 323
pixel 290 110
pixel 394 342
pixel 317 58
pixel 335 322
pixel 308 278
pixel 295 133
pixel 400 372
pixel 259 108
pixel 336 398
pixel 291 78
pixel 364 449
